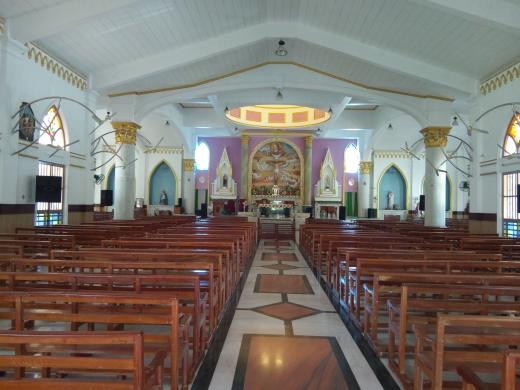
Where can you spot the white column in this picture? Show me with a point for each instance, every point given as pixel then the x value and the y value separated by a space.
pixel 126 133
pixel 188 187
pixel 307 180
pixel 365 173
pixel 435 138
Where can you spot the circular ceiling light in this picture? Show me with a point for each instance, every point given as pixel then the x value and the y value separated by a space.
pixel 281 51
pixel 277 116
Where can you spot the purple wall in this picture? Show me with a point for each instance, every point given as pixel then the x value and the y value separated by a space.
pixel 337 150
pixel 216 146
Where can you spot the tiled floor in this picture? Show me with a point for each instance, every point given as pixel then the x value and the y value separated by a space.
pixel 286 333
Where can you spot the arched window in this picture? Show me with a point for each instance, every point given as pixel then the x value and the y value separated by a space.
pixel 51 132
pixel 512 140
pixel 351 158
pixel 202 157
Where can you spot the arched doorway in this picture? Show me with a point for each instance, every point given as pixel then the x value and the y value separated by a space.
pixel 392 181
pixel 162 179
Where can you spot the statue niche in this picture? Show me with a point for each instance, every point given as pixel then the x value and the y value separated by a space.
pixel 224 187
pixel 327 188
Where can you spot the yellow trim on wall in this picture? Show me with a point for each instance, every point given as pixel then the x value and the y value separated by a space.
pixel 177 184
pixel 407 202
pixel 275 139
pixel 262 64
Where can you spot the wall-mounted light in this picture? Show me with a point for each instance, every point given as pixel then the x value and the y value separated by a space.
pixel 330 110
pixel 226 110
pixel 279 95
pixel 390 127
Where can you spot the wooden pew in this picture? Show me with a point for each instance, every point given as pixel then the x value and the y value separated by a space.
pixel 478 341
pixel 420 303
pixel 132 363
pixel 387 285
pixel 509 379
pixel 186 289
pixel 27 310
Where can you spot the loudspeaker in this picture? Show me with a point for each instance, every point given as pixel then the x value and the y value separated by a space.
pixel 342 213
pixel 179 202
pixel 48 189
pixel 422 202
pixel 107 197
pixel 204 210
pixel 263 212
pixel 372 213
pixel 287 212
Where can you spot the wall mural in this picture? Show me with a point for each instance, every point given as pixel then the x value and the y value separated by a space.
pixel 276 170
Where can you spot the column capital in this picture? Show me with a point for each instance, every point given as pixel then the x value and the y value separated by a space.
pixel 365 167
pixel 188 164
pixel 308 140
pixel 245 139
pixel 126 132
pixel 435 136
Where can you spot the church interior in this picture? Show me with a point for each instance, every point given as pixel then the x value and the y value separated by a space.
pixel 248 194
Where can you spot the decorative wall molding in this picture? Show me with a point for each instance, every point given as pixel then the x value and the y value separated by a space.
pixel 56 67
pixel 189 164
pixel 390 154
pixel 501 79
pixel 126 132
pixel 165 150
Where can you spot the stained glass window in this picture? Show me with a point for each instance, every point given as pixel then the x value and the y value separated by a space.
pixel 202 157
pixel 51 131
pixel 351 158
pixel 512 139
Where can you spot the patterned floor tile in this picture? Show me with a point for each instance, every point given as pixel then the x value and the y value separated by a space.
pixel 286 311
pixel 280 267
pixel 290 284
pixel 279 256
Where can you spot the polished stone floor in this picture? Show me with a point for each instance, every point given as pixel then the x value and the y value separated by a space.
pixel 285 332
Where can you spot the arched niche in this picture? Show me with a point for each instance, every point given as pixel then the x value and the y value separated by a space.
pixel 393 181
pixel 162 179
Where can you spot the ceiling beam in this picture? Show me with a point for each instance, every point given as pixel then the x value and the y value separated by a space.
pixel 496 13
pixel 170 59
pixel 59 18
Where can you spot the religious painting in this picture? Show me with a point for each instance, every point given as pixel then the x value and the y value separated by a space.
pixel 26 122
pixel 276 170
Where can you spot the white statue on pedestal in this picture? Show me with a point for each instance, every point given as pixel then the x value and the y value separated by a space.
pixel 390 200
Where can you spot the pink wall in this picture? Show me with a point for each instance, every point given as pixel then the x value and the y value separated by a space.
pixel 216 146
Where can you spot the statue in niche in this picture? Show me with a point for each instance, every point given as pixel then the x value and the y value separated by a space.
pixel 390 200
pixel 224 187
pixel 26 122
pixel 327 183
pixel 224 181
pixel 163 198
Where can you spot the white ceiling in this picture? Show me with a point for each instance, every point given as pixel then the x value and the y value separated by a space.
pixel 437 47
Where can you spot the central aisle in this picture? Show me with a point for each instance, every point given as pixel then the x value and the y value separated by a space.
pixel 285 332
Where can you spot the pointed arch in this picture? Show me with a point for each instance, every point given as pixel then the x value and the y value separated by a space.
pixel 162 177
pixel 52 131
pixel 392 179
pixel 351 158
pixel 512 137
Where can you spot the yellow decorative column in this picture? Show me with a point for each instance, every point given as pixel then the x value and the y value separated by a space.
pixel 435 138
pixel 307 178
pixel 125 135
pixel 188 185
pixel 244 166
pixel 365 177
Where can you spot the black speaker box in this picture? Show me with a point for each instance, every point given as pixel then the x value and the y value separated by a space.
pixel 287 212
pixel 179 202
pixel 48 189
pixel 107 197
pixel 342 213
pixel 204 210
pixel 372 213
pixel 422 202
